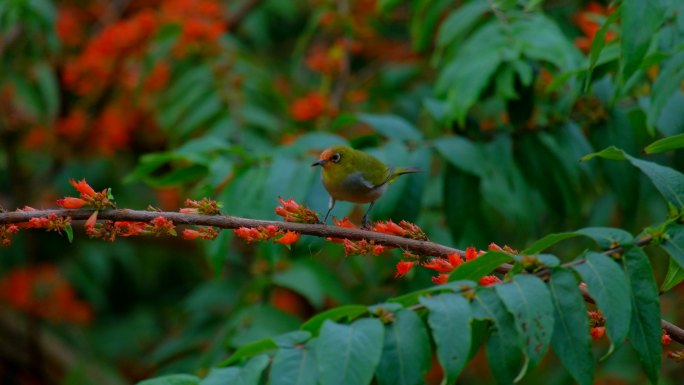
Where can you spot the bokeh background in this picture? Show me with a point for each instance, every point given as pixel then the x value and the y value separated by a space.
pixel 165 100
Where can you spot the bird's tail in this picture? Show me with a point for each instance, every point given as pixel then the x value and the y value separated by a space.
pixel 401 171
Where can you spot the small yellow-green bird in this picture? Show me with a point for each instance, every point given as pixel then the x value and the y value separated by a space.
pixel 354 176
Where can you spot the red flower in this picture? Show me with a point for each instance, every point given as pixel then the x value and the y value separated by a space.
pixel 470 253
pixel 6 233
pixel 292 211
pixel 455 259
pixel 289 238
pixel 598 332
pixel 388 227
pixel 161 225
pixel 190 234
pixel 489 280
pixel 441 279
pixel 129 229
pixel 83 187
pixel 440 265
pixel 666 339
pixel 309 107
pixel 403 267
pixel 71 203
pixel 345 222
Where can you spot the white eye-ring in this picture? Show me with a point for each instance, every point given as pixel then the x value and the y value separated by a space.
pixel 336 157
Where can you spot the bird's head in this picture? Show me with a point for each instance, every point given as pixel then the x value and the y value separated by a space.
pixel 334 156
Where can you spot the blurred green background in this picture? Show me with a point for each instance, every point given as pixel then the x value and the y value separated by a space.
pixel 165 100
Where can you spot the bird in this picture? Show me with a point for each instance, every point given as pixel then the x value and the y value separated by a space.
pixel 354 176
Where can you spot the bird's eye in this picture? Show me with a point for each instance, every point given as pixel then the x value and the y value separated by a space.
pixel 335 158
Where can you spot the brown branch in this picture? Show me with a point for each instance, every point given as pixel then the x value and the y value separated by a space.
pixel 319 230
pixel 230 222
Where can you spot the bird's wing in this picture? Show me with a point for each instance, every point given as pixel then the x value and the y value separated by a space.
pixel 367 177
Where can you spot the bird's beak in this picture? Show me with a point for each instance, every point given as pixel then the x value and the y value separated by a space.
pixel 319 162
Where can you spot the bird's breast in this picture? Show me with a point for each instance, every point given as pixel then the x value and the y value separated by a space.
pixel 354 188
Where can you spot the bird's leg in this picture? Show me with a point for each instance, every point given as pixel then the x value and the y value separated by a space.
pixel 365 223
pixel 330 207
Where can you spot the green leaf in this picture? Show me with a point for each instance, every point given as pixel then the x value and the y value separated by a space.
pixel 645 330
pixel 69 233
pixel 391 126
pixel 607 237
pixel 460 21
pixel 608 286
pixel 463 154
pixel 406 352
pixel 47 84
pixel 570 340
pixel 665 144
pixel 504 343
pixel 528 300
pixel 639 20
pixel 665 87
pixel 410 299
pixel 479 267
pixel 349 354
pixel 675 275
pixel 295 366
pixel 547 241
pixel 303 279
pixel 597 45
pixel 449 318
pixel 172 379
pixel 669 182
pixel 674 243
pixel 349 312
pixel 250 374
pixel 249 350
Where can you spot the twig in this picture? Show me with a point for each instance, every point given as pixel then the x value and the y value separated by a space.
pixel 230 222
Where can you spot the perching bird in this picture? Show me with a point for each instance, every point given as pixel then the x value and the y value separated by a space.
pixel 354 176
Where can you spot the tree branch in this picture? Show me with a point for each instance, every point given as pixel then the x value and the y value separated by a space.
pixel 319 230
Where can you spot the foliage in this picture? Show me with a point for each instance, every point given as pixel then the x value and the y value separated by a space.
pixel 497 101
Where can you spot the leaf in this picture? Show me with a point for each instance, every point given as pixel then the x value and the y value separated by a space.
pixel 172 379
pixel 349 312
pixel 528 300
pixel 645 329
pixel 349 354
pixel 463 154
pixel 639 21
pixel 249 350
pixel 460 21
pixel 608 286
pixel 607 237
pixel 504 344
pixel 669 182
pixel 479 267
pixel 665 86
pixel 302 278
pixel 571 340
pixel 47 84
pixel 665 144
pixel 674 243
pixel 391 126
pixel 69 231
pixel 674 276
pixel 547 242
pixel 250 374
pixel 449 319
pixel 597 45
pixel 406 352
pixel 412 298
pixel 295 366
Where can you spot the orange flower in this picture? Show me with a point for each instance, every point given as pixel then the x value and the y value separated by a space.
pixel 190 234
pixel 72 125
pixel 292 211
pixel 83 187
pixel 666 339
pixel 589 20
pixel 440 265
pixel 6 233
pixel 71 203
pixel 597 332
pixel 388 227
pixel 309 107
pixel 441 279
pixel 403 267
pixel 129 229
pixel 455 259
pixel 470 253
pixel 289 238
pixel 489 280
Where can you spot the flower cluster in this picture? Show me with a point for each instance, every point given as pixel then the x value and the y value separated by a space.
pixel 309 107
pixel 265 233
pixel 52 222
pixel 109 230
pixel 446 265
pixel 43 292
pixel 597 323
pixel 403 229
pixel 202 232
pixel 362 247
pixel 589 21
pixel 88 197
pixel 205 206
pixel 292 211
pixel 6 233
